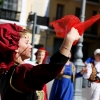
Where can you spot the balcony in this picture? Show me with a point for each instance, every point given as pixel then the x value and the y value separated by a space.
pixel 92 32
pixel 9 14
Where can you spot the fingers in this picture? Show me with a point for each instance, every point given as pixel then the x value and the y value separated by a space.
pixel 74 34
pixel 84 70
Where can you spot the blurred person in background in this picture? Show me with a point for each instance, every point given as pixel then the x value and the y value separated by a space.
pixel 63 87
pixel 93 77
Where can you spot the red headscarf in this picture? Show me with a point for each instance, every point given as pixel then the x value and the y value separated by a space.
pixel 9 37
pixel 44 50
pixel 63 25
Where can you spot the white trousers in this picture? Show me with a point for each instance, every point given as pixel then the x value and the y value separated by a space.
pixel 93 92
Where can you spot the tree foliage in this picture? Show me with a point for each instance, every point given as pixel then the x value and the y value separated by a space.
pixel 1 2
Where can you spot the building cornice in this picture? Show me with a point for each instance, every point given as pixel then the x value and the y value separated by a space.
pixel 89 2
pixel 8 21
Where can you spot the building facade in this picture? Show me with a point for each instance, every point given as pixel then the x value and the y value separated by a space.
pixel 18 11
pixel 60 8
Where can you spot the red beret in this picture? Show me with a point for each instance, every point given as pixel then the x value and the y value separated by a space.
pixel 9 37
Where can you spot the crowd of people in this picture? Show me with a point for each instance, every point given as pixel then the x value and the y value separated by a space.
pixel 62 87
pixel 20 80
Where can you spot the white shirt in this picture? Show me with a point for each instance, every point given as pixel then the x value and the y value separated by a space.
pixel 89 70
pixel 29 62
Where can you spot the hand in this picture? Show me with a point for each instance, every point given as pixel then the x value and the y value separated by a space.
pixel 68 41
pixel 85 63
pixel 73 35
pixel 84 70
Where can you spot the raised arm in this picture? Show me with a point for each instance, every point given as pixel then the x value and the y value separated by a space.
pixel 68 41
pixel 35 77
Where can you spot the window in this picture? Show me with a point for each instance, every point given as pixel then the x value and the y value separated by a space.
pixel 94 27
pixel 10 4
pixel 10 10
pixel 59 11
pixel 77 12
pixel 96 1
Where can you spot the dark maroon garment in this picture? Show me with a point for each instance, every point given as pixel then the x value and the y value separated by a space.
pixel 27 78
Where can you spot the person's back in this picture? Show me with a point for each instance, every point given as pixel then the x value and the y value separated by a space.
pixel 62 86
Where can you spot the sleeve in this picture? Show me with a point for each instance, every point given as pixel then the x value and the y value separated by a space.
pixel 89 60
pixel 28 78
pixel 98 75
pixel 78 74
pixel 89 71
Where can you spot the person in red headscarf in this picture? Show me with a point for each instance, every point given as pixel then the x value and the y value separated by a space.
pixel 41 57
pixel 17 79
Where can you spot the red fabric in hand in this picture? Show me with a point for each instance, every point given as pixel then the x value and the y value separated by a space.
pixel 63 25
